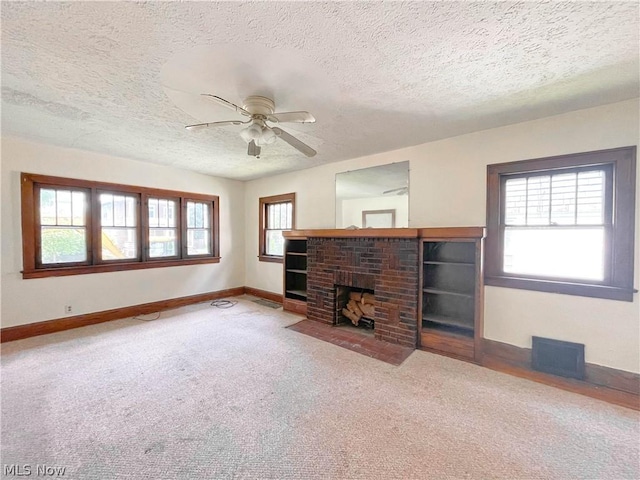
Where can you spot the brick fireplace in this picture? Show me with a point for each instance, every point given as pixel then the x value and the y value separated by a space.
pixel 387 266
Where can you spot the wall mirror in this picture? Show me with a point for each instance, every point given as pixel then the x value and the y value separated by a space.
pixel 376 197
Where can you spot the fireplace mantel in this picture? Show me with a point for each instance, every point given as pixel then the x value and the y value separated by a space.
pixel 356 233
pixel 431 232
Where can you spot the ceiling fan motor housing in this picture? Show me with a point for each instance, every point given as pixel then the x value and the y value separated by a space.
pixel 258 105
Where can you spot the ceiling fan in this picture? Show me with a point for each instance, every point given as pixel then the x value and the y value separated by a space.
pixel 258 132
pixel 397 191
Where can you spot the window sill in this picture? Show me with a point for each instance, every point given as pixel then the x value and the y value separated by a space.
pixel 566 288
pixel 270 258
pixel 114 267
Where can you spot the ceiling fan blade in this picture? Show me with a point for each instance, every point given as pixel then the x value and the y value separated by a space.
pixel 226 103
pixel 401 190
pixel 291 117
pixel 294 142
pixel 198 126
pixel 253 149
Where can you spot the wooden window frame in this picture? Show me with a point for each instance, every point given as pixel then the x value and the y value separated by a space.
pixel 146 228
pixel 96 246
pixel 212 227
pixel 262 224
pixel 619 254
pixel 391 211
pixel 30 185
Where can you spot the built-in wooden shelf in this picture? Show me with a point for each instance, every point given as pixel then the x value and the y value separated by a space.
pixel 459 264
pixel 447 292
pixel 450 302
pixel 448 321
pixel 300 293
pixel 295 272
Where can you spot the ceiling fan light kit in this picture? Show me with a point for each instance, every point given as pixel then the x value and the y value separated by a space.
pixel 258 133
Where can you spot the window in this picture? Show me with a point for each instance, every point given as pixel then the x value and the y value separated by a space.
pixel 163 227
pixel 119 226
pixel 63 226
pixel 277 213
pixel 198 228
pixel 72 227
pixel 563 224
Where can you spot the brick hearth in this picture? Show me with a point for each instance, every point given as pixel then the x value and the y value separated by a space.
pixel 388 266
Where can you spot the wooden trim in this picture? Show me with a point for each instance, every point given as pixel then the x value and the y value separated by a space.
pixel 440 342
pixel 297 234
pixel 271 258
pixel 115 267
pixel 359 233
pixel 391 211
pixel 264 202
pixel 19 332
pixel 452 232
pixel 620 251
pixel 294 306
pixel 73 182
pixel 28 223
pixel 604 383
pixel 94 263
pixel 256 292
pixel 566 288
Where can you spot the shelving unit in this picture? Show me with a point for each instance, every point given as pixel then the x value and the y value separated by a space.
pixel 451 291
pixel 295 273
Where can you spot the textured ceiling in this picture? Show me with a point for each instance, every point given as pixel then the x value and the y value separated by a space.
pixel 123 78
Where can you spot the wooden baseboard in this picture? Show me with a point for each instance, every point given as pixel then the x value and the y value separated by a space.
pixel 604 383
pixel 59 324
pixel 256 292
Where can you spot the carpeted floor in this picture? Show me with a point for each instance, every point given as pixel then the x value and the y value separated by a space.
pixel 207 393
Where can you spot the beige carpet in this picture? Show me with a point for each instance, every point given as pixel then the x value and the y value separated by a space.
pixel 206 393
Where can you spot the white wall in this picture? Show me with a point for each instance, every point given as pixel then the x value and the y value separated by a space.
pixel 448 188
pixel 34 300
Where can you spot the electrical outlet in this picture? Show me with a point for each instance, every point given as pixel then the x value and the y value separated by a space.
pixel 67 309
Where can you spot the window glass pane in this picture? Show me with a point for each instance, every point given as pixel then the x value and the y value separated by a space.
pixel 516 201
pixel 538 193
pixel 198 241
pixel 119 243
pixel 47 207
pixel 563 199
pixel 163 213
pixel 591 198
pixel 172 208
pixel 63 202
pixel 270 216
pixel 78 202
pixel 199 223
pixel 106 209
pixel 163 242
pixel 118 211
pixel 191 214
pixel 131 212
pixel 274 243
pixel 289 224
pixel 276 216
pixel 205 215
pixel 575 253
pixel 153 212
pixel 63 245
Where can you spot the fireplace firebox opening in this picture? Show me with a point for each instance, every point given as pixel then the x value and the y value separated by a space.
pixel 355 306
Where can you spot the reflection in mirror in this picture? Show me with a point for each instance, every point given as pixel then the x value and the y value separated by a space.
pixel 375 197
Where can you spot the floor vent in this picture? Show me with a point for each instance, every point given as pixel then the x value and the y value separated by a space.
pixel 557 357
pixel 267 303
